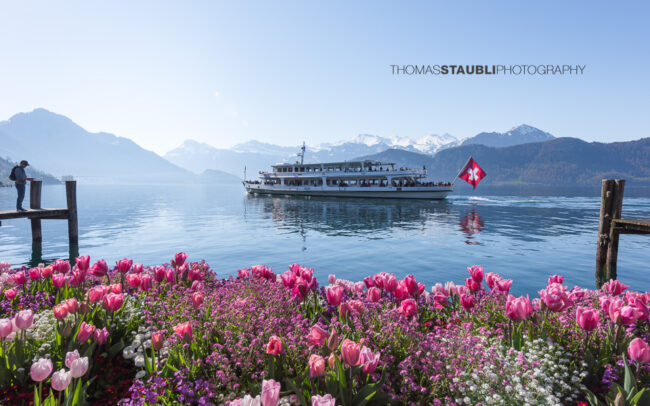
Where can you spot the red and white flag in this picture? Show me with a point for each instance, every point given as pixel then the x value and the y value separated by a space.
pixel 472 173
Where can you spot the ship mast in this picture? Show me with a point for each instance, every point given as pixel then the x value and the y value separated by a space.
pixel 302 153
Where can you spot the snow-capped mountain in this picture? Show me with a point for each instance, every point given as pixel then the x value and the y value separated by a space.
pixel 521 134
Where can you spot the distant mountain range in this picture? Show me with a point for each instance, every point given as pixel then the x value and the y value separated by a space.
pixel 560 161
pixel 259 156
pixel 57 145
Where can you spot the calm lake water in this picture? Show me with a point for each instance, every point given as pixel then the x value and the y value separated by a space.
pixel 524 237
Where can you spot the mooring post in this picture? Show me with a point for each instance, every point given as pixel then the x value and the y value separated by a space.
pixel 612 249
pixel 35 203
pixel 73 225
pixel 604 225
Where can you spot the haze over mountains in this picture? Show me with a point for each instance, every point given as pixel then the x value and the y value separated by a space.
pixel 522 155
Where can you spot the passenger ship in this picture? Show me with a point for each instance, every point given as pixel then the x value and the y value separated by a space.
pixel 367 178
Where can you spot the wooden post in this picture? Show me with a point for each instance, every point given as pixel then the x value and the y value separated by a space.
pixel 604 225
pixel 35 203
pixel 73 225
pixel 612 249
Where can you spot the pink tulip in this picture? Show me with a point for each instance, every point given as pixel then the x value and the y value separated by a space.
pixel 179 258
pixel 390 283
pixel 24 319
pixel 95 294
pixel 184 330
pixel 60 311
pixel 518 308
pixel 476 271
pixel 85 331
pixel 61 266
pixel 47 271
pixel 274 347
pixel 317 336
pixel 243 273
pixel 614 307
pixel 34 273
pixel 350 352
pixel 555 279
pixel 197 299
pixel 411 284
pixel 333 340
pixel 134 280
pixel 327 400
pixel 334 295
pixel 408 307
pixel 20 278
pixel 11 293
pixel 157 340
pixel 316 366
pixel 502 286
pixel 401 291
pixel 368 282
pixel 82 262
pixel 159 273
pixel 331 279
pixel 61 380
pixel 170 276
pixel 587 318
pixel 374 294
pixel 79 367
pixel 555 298
pixel 491 278
pixel 467 301
pixel 99 268
pixel 368 360
pixel 378 280
pixel 71 356
pixel 288 279
pixel 6 327
pixel 270 392
pixel 472 285
pixel 100 336
pixel 114 288
pixel 639 351
pixel 147 282
pixel 124 265
pixel 113 301
pixel 72 304
pixel 614 287
pixel 58 280
pixel 642 312
pixel 137 268
pixel 629 315
pixel 41 369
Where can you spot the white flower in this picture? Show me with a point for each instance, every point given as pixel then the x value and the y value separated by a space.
pixel 140 374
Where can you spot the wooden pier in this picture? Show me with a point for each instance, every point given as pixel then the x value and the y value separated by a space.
pixel 36 213
pixel 611 225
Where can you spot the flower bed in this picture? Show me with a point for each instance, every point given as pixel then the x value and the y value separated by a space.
pixel 176 334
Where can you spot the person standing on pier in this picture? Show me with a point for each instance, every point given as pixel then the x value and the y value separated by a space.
pixel 20 177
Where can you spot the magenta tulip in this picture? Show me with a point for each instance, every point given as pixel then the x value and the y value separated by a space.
pixel 368 360
pixel 587 318
pixel 47 271
pixel 113 301
pixel 408 307
pixel 134 280
pixel 72 304
pixel 159 273
pixel 491 278
pixel 100 336
pixel 467 301
pixel 331 279
pixel 60 311
pixel 374 294
pixel 82 262
pixel 179 258
pixel 614 287
pixel 411 284
pixel 274 347
pixel 99 268
pixel 58 280
pixel 555 298
pixel 401 291
pixel 518 308
pixel 34 273
pixel 124 265
pixel 476 272
pixel 147 282
pixel 61 266
pixel 472 285
pixel 20 278
pixel 555 279
pixel 11 293
pixel 137 268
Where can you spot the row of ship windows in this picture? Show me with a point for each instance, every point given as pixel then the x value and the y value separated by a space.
pixel 333 168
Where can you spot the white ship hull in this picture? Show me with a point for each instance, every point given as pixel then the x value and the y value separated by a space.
pixel 386 192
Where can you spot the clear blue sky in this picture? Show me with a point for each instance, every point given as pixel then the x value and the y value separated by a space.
pixel 283 72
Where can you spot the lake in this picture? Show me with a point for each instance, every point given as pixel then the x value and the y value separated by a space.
pixel 513 232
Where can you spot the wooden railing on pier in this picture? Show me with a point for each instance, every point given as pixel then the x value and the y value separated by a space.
pixel 611 225
pixel 36 213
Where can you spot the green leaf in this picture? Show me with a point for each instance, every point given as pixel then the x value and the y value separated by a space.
pixel 629 382
pixel 637 398
pixel 37 396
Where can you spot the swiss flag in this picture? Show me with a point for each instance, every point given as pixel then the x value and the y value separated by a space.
pixel 472 173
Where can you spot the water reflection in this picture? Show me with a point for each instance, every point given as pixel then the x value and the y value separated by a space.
pixel 471 223
pixel 370 218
